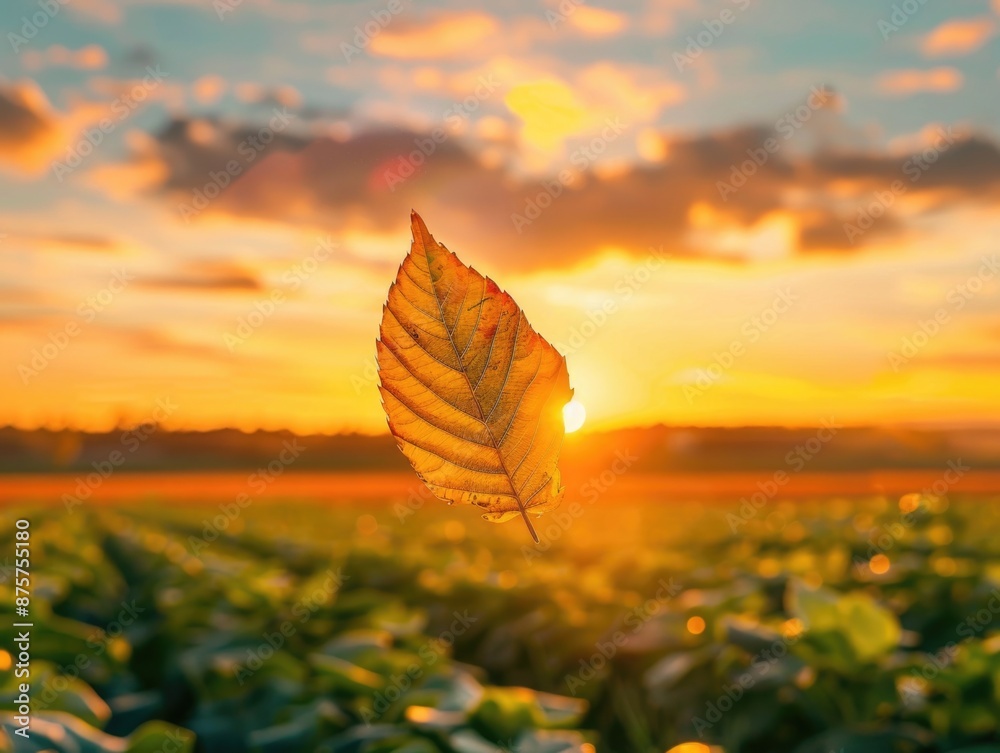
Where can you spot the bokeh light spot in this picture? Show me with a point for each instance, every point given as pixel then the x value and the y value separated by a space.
pixel 696 625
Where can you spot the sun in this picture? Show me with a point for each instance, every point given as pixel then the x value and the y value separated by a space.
pixel 574 414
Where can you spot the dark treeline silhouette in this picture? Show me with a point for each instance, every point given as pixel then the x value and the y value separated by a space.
pixel 653 449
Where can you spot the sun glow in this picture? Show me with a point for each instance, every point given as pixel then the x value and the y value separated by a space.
pixel 574 414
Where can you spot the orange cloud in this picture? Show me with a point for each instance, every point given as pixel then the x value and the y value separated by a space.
pixel 634 93
pixel 443 37
pixel 31 131
pixel 367 179
pixel 660 16
pixel 597 22
pixel 903 83
pixel 958 37
pixel 206 277
pixel 102 11
pixel 252 93
pixel 134 93
pixel 68 242
pixel 145 172
pixel 89 58
pixel 208 89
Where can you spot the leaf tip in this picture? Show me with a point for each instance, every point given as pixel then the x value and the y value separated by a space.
pixel 419 229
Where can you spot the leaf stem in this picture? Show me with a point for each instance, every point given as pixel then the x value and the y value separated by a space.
pixel 527 522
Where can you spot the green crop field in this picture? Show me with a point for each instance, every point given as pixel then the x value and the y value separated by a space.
pixel 828 625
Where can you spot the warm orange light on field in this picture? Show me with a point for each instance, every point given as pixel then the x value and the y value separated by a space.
pixel 367 525
pixel 419 714
pixel 909 502
pixel 690 748
pixel 945 566
pixel 793 628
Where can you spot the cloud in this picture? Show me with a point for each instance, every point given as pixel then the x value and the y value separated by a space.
pixel 145 172
pixel 961 36
pixel 549 110
pixel 29 129
pixel 136 92
pixel 553 110
pixel 208 89
pixel 905 82
pixel 206 277
pixel 367 183
pixel 158 343
pixel 660 16
pixel 441 36
pixel 597 22
pixel 257 94
pixel 105 12
pixel 73 242
pixel 89 58
pixel 634 93
pixel 964 361
pixel 34 136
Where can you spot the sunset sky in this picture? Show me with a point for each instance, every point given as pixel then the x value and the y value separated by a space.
pixel 724 213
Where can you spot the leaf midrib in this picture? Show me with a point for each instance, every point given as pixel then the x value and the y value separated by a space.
pixel 465 376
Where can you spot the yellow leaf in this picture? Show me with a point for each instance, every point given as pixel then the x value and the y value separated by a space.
pixel 473 394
